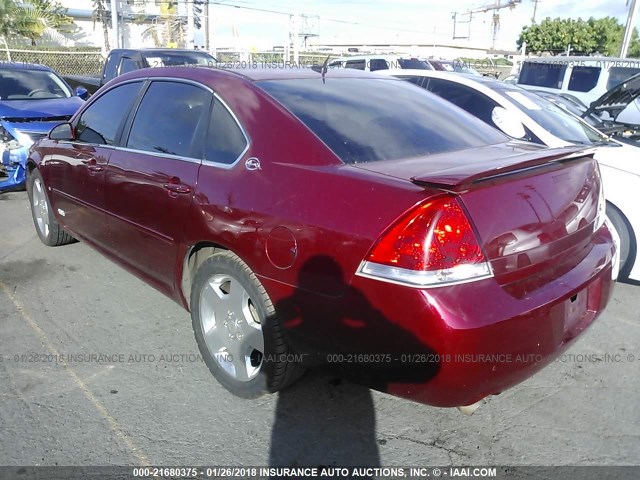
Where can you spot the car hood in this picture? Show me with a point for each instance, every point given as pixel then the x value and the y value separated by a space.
pixel 617 99
pixel 39 110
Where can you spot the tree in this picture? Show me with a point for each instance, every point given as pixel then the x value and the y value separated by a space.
pixel 603 35
pixel 100 14
pixel 7 9
pixel 169 29
pixel 33 19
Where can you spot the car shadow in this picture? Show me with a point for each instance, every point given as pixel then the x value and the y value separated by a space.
pixel 327 418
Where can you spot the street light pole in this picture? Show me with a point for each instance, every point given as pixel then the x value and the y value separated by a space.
pixel 114 24
pixel 628 30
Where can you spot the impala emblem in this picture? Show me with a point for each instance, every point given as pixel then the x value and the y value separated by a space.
pixel 252 164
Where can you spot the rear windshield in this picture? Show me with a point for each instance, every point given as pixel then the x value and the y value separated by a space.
pixel 368 119
pixel 414 64
pixel 178 59
pixel 553 118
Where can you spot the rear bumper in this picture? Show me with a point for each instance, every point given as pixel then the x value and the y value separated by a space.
pixel 449 346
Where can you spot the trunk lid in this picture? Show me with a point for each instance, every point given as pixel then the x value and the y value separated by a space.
pixel 534 210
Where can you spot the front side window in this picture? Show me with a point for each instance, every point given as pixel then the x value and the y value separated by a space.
pixel 168 118
pixel 24 84
pixel 583 79
pixel 225 139
pixel 548 75
pixel 372 119
pixel 617 75
pixel 100 122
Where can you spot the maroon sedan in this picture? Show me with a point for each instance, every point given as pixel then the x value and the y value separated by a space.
pixel 339 219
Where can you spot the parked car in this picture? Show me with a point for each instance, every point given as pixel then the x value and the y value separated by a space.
pixel 587 78
pixel 33 99
pixel 524 114
pixel 309 218
pixel 457 66
pixel 577 108
pixel 372 63
pixel 123 60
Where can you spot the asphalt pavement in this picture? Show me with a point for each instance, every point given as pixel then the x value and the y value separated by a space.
pixel 97 368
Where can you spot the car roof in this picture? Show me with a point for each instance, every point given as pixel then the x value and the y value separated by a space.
pixel 453 76
pixel 574 59
pixel 251 74
pixel 23 66
pixel 386 56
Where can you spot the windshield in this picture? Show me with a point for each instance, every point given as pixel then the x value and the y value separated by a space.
pixel 31 85
pixel 553 118
pixel 175 59
pixel 367 119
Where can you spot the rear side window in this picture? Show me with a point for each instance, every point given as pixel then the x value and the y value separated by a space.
pixel 127 65
pixel 101 120
pixel 474 102
pixel 583 79
pixel 168 118
pixel 355 64
pixel 370 119
pixel 548 75
pixel 226 141
pixel 617 75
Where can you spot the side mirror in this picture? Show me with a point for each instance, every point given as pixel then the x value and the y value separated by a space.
pixel 508 122
pixel 64 131
pixel 82 92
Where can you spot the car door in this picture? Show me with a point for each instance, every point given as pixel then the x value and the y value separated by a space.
pixel 151 177
pixel 76 169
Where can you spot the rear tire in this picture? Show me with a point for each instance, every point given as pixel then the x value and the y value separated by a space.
pixel 48 229
pixel 628 246
pixel 237 331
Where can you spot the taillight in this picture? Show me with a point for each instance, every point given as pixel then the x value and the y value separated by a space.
pixel 432 244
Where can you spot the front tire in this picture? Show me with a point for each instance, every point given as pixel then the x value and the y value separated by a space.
pixel 236 328
pixel 49 230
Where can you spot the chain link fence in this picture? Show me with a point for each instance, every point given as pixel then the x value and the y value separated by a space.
pixel 266 59
pixel 65 63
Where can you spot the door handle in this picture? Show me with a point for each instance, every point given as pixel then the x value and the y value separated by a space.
pixel 93 166
pixel 177 188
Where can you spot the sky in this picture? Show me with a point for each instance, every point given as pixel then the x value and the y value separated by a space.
pixel 399 21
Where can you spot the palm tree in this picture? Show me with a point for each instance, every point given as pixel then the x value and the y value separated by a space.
pixel 100 14
pixel 35 19
pixel 169 29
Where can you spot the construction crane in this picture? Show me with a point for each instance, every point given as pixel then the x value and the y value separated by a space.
pixel 467 17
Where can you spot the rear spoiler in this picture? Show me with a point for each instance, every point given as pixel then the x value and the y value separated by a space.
pixel 461 178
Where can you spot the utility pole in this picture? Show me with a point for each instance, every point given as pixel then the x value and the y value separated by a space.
pixel 535 10
pixel 628 31
pixel 209 30
pixel 296 49
pixel 114 24
pixel 190 24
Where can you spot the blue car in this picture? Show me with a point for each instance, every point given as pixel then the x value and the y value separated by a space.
pixel 33 99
